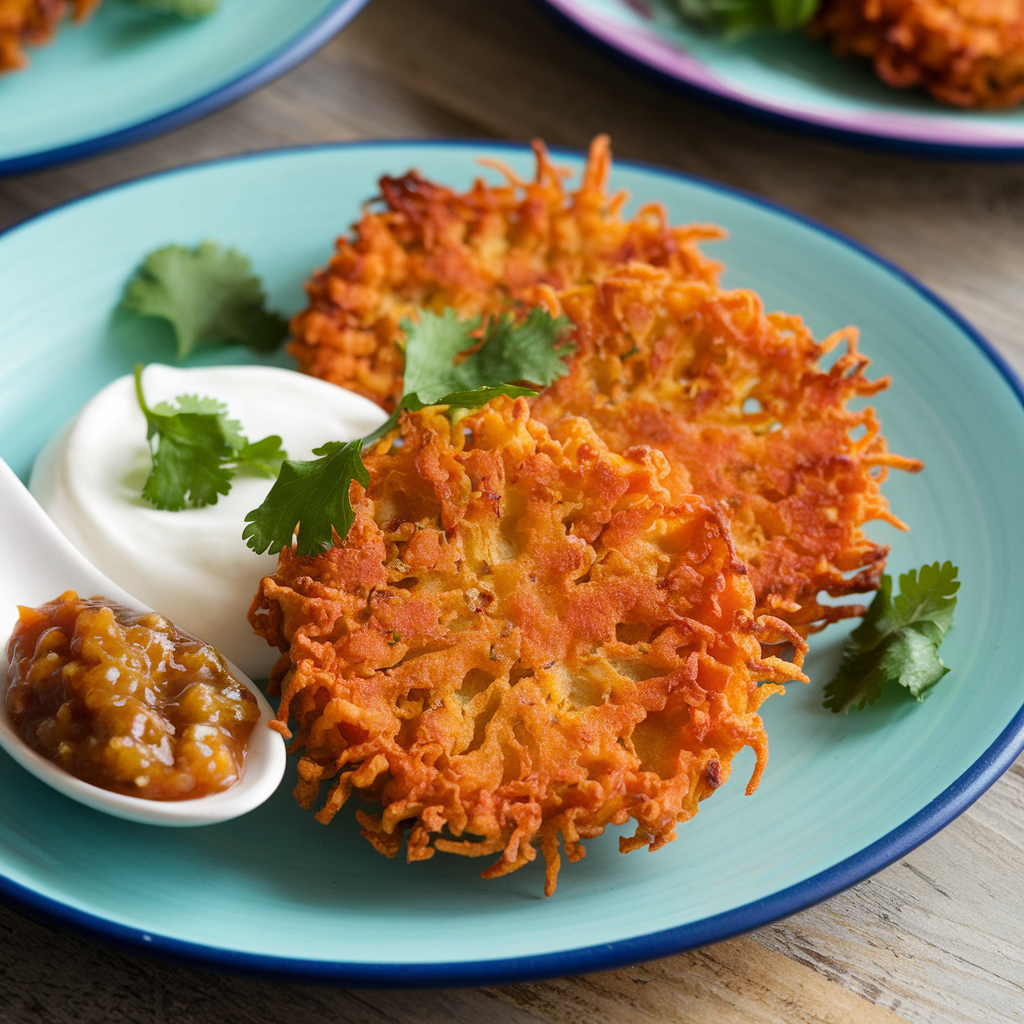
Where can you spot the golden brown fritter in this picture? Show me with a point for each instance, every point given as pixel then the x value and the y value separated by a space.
pixel 477 252
pixel 799 495
pixel 523 638
pixel 737 401
pixel 31 22
pixel 966 52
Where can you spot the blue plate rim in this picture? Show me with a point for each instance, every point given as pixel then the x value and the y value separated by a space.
pixel 284 59
pixel 947 806
pixel 776 119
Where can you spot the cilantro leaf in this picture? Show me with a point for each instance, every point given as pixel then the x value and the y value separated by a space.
pixel 188 463
pixel 264 458
pixel 232 429
pixel 312 497
pixel 737 18
pixel 198 450
pixel 208 295
pixel 508 353
pixel 898 639
pixel 310 501
pixel 189 9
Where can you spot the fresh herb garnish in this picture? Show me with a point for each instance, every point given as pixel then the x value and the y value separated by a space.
pixel 739 17
pixel 509 353
pixel 198 450
pixel 208 295
pixel 315 494
pixel 898 639
pixel 189 9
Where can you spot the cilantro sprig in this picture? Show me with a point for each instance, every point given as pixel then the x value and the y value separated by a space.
pixel 208 295
pixel 739 17
pixel 508 353
pixel 447 362
pixel 898 639
pixel 198 450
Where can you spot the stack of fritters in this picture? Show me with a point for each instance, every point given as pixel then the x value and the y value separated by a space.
pixel 524 638
pixel 665 357
pixel 24 22
pixel 555 616
pixel 966 52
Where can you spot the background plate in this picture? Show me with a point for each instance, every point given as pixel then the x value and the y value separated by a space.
pixel 789 79
pixel 126 75
pixel 276 893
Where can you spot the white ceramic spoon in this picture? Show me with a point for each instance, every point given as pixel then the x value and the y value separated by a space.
pixel 37 564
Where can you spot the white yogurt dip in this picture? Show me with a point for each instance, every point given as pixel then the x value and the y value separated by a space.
pixel 193 565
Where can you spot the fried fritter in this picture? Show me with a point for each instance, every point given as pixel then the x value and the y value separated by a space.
pixel 25 22
pixel 799 488
pixel 478 252
pixel 966 52
pixel 522 638
pixel 738 402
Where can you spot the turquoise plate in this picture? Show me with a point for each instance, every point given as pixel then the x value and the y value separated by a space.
pixel 788 79
pixel 275 893
pixel 126 74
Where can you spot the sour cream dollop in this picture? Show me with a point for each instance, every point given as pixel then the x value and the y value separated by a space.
pixel 191 566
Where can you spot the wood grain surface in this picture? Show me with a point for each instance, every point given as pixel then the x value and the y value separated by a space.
pixel 937 937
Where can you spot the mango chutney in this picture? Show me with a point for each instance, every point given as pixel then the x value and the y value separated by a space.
pixel 127 701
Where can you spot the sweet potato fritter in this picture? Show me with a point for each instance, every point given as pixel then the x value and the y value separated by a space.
pixel 24 22
pixel 966 52
pixel 799 487
pixel 477 252
pixel 522 638
pixel 737 401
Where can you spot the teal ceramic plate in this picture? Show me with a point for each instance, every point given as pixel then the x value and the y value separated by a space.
pixel 126 74
pixel 788 79
pixel 276 893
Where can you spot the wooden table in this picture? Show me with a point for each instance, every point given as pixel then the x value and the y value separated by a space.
pixel 938 936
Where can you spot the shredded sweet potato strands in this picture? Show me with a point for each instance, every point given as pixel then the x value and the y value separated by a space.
pixel 523 639
pixel 739 404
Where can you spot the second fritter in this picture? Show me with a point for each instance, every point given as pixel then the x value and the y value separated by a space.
pixel 524 639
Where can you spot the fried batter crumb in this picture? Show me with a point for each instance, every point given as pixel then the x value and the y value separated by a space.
pixel 524 639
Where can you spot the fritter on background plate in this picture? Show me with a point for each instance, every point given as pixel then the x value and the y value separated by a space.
pixel 966 52
pixel 524 638
pixel 31 22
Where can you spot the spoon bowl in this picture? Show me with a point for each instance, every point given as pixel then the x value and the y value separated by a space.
pixel 38 564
